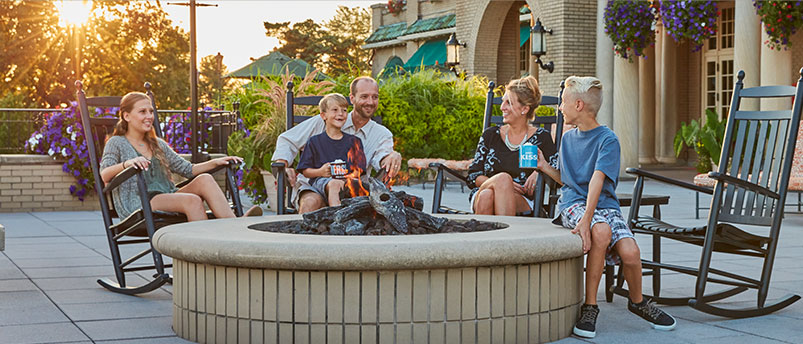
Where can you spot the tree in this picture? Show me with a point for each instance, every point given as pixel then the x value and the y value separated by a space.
pixel 333 48
pixel 123 45
pixel 303 40
pixel 348 30
pixel 211 84
pixel 31 57
pixel 129 43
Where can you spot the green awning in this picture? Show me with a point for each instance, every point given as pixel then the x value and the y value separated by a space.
pixel 524 35
pixel 275 63
pixel 428 54
pixel 387 32
pixel 394 65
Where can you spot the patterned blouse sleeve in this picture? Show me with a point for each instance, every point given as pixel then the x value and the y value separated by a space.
pixel 543 140
pixel 477 166
pixel 111 152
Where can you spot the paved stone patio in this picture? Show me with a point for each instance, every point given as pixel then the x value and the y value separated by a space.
pixel 48 292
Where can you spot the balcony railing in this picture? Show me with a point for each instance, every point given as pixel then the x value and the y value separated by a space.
pixel 18 124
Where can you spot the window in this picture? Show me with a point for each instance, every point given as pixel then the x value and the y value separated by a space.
pixel 718 76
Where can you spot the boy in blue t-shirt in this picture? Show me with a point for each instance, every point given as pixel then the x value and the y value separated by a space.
pixel 325 148
pixel 589 171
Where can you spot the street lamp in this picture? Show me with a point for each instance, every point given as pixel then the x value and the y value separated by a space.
pixel 538 44
pixel 453 53
pixel 219 71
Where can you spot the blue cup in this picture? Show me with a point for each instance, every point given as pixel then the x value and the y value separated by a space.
pixel 528 156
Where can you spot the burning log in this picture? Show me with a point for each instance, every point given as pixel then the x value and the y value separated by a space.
pixel 409 201
pixel 387 205
pixel 351 211
pixel 382 211
pixel 431 223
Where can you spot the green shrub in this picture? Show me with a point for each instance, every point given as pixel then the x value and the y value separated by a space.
pixel 432 116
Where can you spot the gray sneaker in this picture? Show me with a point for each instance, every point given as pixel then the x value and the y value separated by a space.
pixel 587 325
pixel 647 309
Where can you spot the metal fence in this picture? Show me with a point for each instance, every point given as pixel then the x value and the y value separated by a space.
pixel 17 125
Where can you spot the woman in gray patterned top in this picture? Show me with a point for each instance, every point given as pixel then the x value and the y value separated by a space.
pixel 134 143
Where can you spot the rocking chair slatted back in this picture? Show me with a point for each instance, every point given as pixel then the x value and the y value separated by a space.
pixel 756 151
pixel 292 100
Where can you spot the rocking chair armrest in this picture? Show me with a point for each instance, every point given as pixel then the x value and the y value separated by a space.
pixel 667 180
pixel 120 178
pixel 454 173
pixel 744 184
pixel 231 165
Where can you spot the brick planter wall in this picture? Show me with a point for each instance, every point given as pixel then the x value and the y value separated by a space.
pixel 37 183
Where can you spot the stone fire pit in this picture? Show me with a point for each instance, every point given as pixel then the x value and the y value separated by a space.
pixel 522 283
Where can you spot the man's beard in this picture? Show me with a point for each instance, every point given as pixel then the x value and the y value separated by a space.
pixel 362 113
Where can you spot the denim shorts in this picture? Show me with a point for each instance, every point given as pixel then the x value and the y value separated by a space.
pixel 613 217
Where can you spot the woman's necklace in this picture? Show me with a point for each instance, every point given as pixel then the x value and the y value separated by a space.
pixel 512 146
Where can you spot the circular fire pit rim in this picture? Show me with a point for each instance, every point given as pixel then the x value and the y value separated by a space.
pixel 228 242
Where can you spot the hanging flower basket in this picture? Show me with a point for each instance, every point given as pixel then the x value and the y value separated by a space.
pixel 396 6
pixel 692 21
pixel 781 20
pixel 630 25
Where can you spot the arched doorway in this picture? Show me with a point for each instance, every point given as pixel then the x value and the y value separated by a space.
pixel 496 51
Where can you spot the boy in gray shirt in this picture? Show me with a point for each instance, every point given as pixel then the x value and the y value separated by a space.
pixel 589 171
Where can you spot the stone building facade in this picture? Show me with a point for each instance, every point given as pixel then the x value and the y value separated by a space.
pixel 645 101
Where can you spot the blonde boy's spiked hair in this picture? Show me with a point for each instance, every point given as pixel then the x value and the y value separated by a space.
pixel 586 88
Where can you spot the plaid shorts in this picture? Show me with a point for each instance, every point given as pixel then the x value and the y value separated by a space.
pixel 613 217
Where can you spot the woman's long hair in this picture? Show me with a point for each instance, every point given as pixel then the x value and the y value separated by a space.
pixel 121 128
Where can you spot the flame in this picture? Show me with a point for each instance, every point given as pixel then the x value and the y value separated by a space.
pixel 355 158
pixel 400 178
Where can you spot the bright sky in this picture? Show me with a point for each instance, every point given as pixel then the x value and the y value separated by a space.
pixel 236 30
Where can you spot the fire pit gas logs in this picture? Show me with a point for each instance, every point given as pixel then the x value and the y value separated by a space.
pixel 382 212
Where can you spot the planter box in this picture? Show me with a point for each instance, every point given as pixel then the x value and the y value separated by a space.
pixel 30 183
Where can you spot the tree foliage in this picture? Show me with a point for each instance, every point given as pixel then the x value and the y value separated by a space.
pixel 211 84
pixel 333 47
pixel 301 40
pixel 122 45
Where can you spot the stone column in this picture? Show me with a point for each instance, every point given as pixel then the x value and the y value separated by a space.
pixel 626 111
pixel 667 117
pixel 748 40
pixel 604 69
pixel 776 69
pixel 646 72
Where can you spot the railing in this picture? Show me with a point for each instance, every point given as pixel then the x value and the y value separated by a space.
pixel 17 125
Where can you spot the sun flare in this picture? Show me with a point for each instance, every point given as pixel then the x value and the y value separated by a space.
pixel 73 12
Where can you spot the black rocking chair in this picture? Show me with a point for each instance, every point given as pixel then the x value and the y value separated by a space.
pixel 139 227
pixel 543 180
pixel 751 188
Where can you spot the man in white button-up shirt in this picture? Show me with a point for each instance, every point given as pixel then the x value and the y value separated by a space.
pixel 376 140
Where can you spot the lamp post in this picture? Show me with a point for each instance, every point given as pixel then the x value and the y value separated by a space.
pixel 453 53
pixel 219 60
pixel 538 45
pixel 196 155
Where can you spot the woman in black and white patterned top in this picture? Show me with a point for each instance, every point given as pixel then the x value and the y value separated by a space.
pixel 500 186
